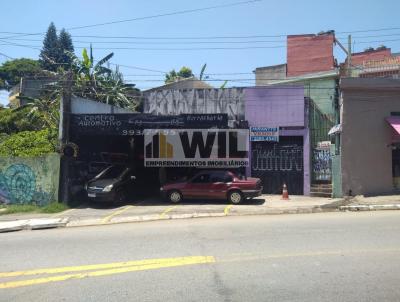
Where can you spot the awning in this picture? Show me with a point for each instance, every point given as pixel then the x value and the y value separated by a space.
pixel 394 121
pixel 335 129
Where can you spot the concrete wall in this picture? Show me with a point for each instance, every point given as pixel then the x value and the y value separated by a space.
pixel 336 174
pixel 282 107
pixel 322 92
pixel 86 106
pixel 25 180
pixel 174 102
pixel 366 157
pixel 267 75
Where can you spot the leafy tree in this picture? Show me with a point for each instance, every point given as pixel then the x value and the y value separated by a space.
pixel 65 44
pixel 12 71
pixel 28 143
pixel 183 73
pixel 13 121
pixel 50 52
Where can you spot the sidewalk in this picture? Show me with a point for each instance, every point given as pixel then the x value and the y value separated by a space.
pixel 156 209
pixel 361 203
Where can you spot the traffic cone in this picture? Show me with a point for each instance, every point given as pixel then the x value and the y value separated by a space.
pixel 285 194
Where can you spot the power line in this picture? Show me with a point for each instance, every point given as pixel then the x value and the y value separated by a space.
pixel 160 43
pixel 158 49
pixel 167 14
pixel 181 12
pixel 368 30
pixel 7 56
pixel 204 37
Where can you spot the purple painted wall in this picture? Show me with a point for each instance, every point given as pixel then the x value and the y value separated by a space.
pixel 281 106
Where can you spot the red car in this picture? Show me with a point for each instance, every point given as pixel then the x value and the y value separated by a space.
pixel 213 185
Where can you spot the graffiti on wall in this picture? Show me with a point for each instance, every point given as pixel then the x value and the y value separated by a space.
pixel 174 102
pixel 287 158
pixel 31 180
pixel 321 162
pixel 276 163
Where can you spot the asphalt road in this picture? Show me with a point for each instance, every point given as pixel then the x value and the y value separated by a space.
pixel 310 257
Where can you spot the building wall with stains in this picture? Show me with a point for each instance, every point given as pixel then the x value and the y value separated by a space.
pixel 27 180
pixel 366 138
pixel 174 102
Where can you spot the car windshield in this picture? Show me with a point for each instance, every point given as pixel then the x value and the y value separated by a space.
pixel 112 172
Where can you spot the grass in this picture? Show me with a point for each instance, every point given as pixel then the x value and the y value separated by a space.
pixel 54 207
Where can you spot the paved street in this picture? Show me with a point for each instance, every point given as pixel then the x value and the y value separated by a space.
pixel 306 257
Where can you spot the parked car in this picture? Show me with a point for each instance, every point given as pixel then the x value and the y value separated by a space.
pixel 213 185
pixel 113 184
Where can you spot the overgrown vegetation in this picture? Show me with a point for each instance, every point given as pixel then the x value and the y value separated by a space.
pixel 183 73
pixel 32 129
pixel 29 143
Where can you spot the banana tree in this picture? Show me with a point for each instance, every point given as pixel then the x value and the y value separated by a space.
pixel 95 81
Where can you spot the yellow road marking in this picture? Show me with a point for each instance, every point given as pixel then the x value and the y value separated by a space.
pixel 63 213
pixel 138 266
pixel 257 257
pixel 227 209
pixel 162 215
pixel 118 212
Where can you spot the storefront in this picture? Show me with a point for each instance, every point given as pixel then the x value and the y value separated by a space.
pixel 369 139
pixel 102 140
pixel 279 150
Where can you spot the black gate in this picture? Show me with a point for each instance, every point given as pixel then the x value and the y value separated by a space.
pixel 280 162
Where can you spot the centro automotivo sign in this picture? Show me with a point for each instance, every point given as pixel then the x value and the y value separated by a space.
pixel 207 148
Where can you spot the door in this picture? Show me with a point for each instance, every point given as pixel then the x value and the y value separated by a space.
pixel 396 167
pixel 197 187
pixel 276 163
pixel 219 184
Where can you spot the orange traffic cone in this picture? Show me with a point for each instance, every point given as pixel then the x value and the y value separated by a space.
pixel 285 194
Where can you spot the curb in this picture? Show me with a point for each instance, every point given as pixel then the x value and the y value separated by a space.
pixel 46 223
pixel 32 224
pixel 362 207
pixel 144 218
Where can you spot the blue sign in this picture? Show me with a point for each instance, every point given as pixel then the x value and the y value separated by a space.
pixel 264 134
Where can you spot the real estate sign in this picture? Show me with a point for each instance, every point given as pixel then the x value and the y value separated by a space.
pixel 267 134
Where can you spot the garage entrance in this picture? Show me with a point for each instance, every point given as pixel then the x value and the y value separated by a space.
pixel 280 162
pixel 117 139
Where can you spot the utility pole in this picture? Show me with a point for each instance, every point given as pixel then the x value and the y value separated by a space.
pixel 349 56
pixel 65 111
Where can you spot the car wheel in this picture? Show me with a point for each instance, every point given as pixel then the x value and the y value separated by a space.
pixel 121 197
pixel 235 197
pixel 175 196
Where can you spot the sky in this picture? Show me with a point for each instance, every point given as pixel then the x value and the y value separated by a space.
pixel 232 40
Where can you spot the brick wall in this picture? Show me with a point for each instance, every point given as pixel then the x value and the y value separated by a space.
pixel 309 53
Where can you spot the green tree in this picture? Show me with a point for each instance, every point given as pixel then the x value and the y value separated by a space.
pixel 50 52
pixel 28 143
pixel 65 44
pixel 12 71
pixel 183 73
